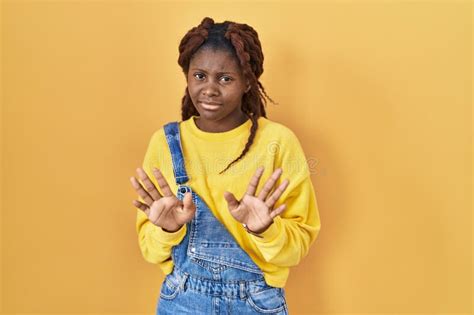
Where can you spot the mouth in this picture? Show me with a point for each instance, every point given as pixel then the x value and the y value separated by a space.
pixel 210 106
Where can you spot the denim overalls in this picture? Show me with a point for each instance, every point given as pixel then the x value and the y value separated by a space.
pixel 212 274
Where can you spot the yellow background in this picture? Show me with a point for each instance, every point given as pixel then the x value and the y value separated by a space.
pixel 379 93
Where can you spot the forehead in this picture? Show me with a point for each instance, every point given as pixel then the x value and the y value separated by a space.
pixel 211 60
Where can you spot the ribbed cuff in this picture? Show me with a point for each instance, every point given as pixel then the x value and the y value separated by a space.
pixel 270 233
pixel 172 238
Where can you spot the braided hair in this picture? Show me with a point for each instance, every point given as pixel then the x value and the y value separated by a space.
pixel 241 41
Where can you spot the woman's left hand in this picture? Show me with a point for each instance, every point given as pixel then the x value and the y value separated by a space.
pixel 257 211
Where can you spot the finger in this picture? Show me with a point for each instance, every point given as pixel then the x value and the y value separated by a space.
pixel 141 206
pixel 276 194
pixel 232 202
pixel 277 211
pixel 252 187
pixel 165 188
pixel 154 193
pixel 141 192
pixel 188 204
pixel 269 184
pixel 185 212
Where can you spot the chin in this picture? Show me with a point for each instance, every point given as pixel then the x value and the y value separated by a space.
pixel 209 115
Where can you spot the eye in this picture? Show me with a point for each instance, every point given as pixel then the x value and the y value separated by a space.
pixel 229 78
pixel 197 74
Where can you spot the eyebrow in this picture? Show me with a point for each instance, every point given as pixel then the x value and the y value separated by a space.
pixel 229 72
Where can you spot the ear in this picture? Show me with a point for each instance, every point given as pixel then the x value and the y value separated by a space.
pixel 248 87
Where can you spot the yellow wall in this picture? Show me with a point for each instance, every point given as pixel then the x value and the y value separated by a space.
pixel 378 92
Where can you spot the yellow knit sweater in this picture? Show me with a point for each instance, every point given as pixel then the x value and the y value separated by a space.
pixel 286 241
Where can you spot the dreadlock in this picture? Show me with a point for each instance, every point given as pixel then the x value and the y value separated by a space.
pixel 241 41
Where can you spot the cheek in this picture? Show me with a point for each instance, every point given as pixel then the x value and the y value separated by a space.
pixel 192 90
pixel 236 96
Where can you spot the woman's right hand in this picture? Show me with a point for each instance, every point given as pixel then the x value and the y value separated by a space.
pixel 167 212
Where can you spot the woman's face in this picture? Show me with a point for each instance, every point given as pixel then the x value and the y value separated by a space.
pixel 216 86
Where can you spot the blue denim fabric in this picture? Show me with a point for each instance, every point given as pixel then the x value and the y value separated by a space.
pixel 212 274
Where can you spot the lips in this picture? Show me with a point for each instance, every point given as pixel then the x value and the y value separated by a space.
pixel 209 102
pixel 210 105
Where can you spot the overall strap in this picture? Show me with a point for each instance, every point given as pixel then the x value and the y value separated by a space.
pixel 174 144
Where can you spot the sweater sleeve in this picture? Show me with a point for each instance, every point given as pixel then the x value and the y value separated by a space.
pixel 288 238
pixel 155 244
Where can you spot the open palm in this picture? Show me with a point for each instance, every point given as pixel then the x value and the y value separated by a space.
pixel 167 211
pixel 257 212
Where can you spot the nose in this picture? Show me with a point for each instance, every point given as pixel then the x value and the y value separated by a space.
pixel 210 90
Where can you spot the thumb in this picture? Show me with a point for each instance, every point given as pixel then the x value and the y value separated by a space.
pixel 188 205
pixel 232 202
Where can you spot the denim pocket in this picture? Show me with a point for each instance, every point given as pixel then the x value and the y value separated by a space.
pixel 169 290
pixel 268 301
